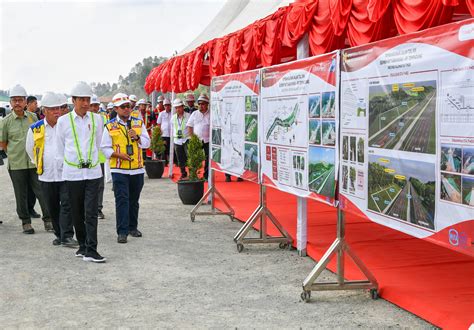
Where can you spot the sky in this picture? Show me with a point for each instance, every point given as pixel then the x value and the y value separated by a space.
pixel 50 45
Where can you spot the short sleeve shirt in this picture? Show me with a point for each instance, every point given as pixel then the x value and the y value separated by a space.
pixel 13 131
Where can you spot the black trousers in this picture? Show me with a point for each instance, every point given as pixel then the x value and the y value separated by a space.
pixel 21 180
pixel 127 189
pixel 31 199
pixel 57 200
pixel 181 154
pixel 205 146
pixel 100 200
pixel 167 140
pixel 83 196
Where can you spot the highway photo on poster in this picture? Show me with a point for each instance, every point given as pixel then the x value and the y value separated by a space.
pixel 286 124
pixel 451 158
pixel 468 160
pixel 216 154
pixel 251 128
pixel 451 188
pixel 402 116
pixel 251 157
pixel 216 136
pixel 328 105
pixel 329 133
pixel 468 191
pixel 314 106
pixel 321 171
pixel 403 189
pixel 314 131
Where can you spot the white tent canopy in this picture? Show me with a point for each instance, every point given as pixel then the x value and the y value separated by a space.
pixel 235 15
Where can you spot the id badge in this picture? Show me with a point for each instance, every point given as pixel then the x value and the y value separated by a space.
pixel 129 149
pixel 180 134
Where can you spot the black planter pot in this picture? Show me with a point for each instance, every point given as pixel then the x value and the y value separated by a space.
pixel 154 168
pixel 190 192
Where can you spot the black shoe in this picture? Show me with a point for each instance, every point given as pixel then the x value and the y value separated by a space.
pixel 122 239
pixel 3 154
pixel 70 242
pixel 56 242
pixel 228 179
pixel 100 215
pixel 136 233
pixel 94 257
pixel 81 252
pixel 240 180
pixel 34 214
pixel 27 229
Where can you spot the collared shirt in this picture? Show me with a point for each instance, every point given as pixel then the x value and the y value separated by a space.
pixel 66 145
pixel 106 146
pixel 200 122
pixel 13 130
pixel 164 119
pixel 185 132
pixel 52 166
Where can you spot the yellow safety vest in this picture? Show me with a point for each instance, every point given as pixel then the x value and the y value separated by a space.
pixel 120 140
pixel 39 131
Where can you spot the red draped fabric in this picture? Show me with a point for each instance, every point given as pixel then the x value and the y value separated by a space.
pixel 330 24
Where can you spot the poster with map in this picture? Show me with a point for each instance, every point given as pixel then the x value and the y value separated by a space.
pixel 299 127
pixel 407 132
pixel 235 124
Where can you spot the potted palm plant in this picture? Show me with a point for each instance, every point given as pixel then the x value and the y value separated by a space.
pixel 191 191
pixel 154 167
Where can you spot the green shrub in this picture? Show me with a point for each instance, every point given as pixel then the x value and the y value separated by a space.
pixel 157 144
pixel 195 156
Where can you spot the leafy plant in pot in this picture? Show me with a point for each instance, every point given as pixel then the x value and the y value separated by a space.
pixel 154 167
pixel 191 191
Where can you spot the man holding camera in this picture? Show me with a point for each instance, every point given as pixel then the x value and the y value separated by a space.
pixel 78 142
pixel 122 142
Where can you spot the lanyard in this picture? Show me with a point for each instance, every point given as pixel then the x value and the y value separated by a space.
pixel 179 124
pixel 76 140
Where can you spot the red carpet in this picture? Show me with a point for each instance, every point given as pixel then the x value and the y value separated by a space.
pixel 428 280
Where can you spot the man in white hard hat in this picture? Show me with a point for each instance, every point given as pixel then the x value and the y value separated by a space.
pixel 199 124
pixel 78 142
pixel 41 148
pixel 180 135
pixel 133 101
pixel 190 100
pixel 164 122
pixel 122 143
pixel 95 106
pixel 13 130
pixel 159 104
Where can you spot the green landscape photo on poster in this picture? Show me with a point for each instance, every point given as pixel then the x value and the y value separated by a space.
pixel 403 189
pixel 251 128
pixel 251 157
pixel 314 131
pixel 321 170
pixel 403 116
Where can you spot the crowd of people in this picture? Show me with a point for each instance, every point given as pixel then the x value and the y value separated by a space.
pixel 58 154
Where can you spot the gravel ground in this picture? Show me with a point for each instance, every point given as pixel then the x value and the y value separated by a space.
pixel 178 275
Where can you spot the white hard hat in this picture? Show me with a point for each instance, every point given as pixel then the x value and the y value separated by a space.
pixel 119 99
pixel 133 98
pixel 62 99
pixel 69 100
pixel 177 102
pixel 81 89
pixel 141 101
pixel 18 90
pixel 160 99
pixel 94 99
pixel 110 105
pixel 190 97
pixel 203 98
pixel 166 102
pixel 51 100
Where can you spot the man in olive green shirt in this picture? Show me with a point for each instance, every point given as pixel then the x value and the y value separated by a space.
pixel 13 130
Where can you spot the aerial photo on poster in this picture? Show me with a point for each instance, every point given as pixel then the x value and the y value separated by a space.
pixel 251 157
pixel 314 131
pixel 403 116
pixel 451 158
pixel 403 189
pixel 314 106
pixel 329 133
pixel 468 191
pixel 251 128
pixel 468 160
pixel 328 104
pixel 321 171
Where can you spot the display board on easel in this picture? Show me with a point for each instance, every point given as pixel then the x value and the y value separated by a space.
pixel 407 131
pixel 299 127
pixel 235 100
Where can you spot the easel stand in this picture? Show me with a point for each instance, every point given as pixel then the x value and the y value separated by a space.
pixel 339 247
pixel 212 192
pixel 262 214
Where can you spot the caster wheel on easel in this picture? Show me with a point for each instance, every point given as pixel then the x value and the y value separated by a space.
pixel 240 247
pixel 306 296
pixel 283 245
pixel 374 294
pixel 193 217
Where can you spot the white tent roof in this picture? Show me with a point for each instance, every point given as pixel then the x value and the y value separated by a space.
pixel 235 15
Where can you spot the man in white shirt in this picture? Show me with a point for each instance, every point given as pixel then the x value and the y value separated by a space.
pixel 123 142
pixel 164 122
pixel 199 124
pixel 180 135
pixel 41 148
pixel 78 141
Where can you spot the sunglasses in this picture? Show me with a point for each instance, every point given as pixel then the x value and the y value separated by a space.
pixel 125 106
